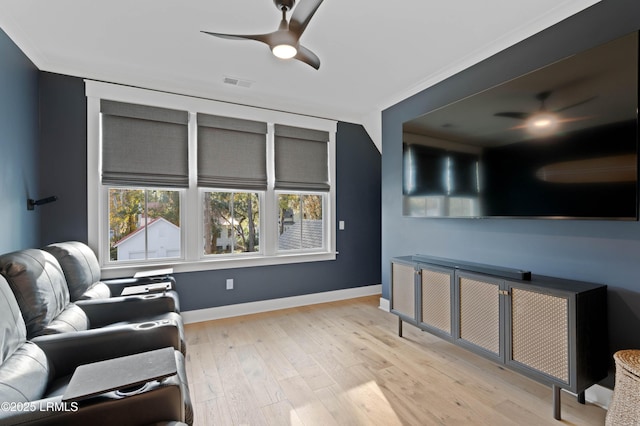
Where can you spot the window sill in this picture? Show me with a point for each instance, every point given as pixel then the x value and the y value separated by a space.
pixel 119 271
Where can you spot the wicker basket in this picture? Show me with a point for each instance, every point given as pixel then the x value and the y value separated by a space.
pixel 624 409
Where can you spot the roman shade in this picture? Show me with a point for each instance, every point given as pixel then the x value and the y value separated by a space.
pixel 301 159
pixel 144 145
pixel 232 153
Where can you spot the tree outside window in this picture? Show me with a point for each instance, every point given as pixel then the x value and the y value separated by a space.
pixel 231 222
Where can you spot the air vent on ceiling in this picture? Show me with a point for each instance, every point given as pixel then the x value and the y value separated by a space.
pixel 237 82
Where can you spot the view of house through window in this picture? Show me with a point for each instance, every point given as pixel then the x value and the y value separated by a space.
pixel 144 224
pixel 300 223
pixel 231 222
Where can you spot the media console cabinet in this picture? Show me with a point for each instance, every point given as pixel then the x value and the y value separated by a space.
pixel 549 329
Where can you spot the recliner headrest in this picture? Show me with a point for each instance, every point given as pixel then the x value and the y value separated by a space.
pixel 37 281
pixel 80 265
pixel 13 332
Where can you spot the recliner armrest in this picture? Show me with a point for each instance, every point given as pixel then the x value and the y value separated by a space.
pixel 102 312
pixel 68 350
pixel 118 284
pixel 155 406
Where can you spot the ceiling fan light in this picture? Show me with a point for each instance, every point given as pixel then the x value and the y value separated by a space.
pixel 543 123
pixel 284 51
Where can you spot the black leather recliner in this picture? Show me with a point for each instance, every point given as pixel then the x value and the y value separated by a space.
pixel 34 375
pixel 82 272
pixel 39 285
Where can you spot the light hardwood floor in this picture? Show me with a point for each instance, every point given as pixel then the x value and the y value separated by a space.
pixel 343 363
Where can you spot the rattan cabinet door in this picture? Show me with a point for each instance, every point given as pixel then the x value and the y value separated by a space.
pixel 403 297
pixel 436 299
pixel 539 333
pixel 479 313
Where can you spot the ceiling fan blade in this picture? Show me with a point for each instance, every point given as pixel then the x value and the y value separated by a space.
pixel 265 38
pixel 513 114
pixel 576 104
pixel 308 57
pixel 302 14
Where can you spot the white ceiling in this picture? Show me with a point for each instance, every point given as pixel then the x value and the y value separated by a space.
pixel 373 53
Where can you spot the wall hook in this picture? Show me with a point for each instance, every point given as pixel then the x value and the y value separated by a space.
pixel 31 203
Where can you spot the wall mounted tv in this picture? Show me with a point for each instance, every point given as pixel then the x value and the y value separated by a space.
pixel 559 142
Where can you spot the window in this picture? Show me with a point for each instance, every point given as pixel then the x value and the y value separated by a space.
pixel 232 153
pixel 198 184
pixel 144 224
pixel 300 222
pixel 301 164
pixel 231 222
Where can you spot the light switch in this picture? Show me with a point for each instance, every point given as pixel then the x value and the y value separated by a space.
pixel 341 225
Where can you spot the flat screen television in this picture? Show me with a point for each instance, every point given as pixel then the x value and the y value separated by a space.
pixel 559 142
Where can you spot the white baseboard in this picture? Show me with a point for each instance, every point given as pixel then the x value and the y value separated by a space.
pixel 229 311
pixel 599 395
pixel 596 395
pixel 385 305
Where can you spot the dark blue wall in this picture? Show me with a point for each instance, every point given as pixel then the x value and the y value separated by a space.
pixel 599 251
pixel 358 172
pixel 358 204
pixel 18 147
pixel 63 157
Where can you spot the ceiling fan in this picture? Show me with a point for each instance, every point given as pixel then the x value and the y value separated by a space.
pixel 543 121
pixel 285 41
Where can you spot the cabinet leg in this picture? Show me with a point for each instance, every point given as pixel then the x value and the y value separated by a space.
pixel 399 326
pixel 556 402
pixel 581 399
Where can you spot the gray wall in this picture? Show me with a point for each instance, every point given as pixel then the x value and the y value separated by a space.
pixel 598 251
pixel 358 172
pixel 18 147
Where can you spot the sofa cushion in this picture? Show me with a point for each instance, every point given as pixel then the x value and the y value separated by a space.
pixel 81 269
pixel 13 332
pixel 24 371
pixel 73 318
pixel 24 375
pixel 98 290
pixel 39 286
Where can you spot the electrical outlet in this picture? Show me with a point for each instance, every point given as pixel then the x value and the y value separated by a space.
pixel 229 283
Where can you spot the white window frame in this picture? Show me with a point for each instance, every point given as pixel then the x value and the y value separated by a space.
pixel 192 250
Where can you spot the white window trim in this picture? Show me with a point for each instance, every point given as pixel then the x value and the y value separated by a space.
pixel 193 260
